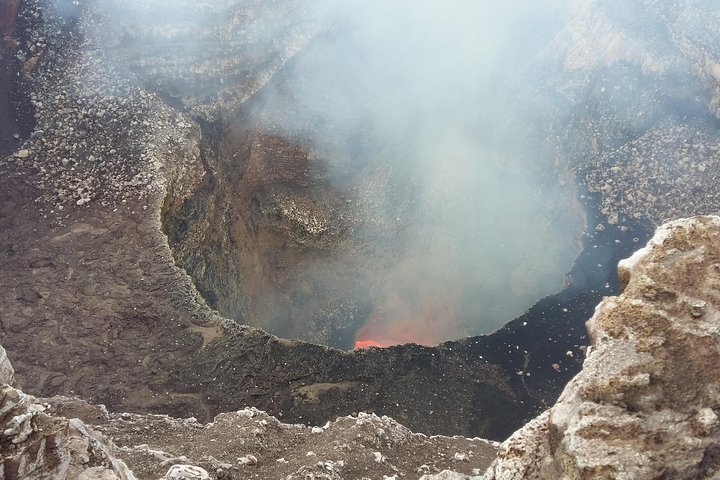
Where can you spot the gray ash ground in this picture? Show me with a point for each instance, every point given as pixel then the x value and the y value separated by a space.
pixel 97 134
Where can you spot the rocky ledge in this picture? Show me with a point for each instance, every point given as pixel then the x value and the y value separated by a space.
pixel 643 407
pixel 646 403
pixel 67 438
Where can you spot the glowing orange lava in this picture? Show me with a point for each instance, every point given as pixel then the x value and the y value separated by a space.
pixel 418 303
pixel 368 343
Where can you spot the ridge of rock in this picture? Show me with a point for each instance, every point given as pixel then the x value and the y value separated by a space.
pixel 58 438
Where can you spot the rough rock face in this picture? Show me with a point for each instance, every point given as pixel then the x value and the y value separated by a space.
pixel 211 57
pixel 638 84
pixel 645 404
pixel 304 240
pixel 35 445
pixel 249 443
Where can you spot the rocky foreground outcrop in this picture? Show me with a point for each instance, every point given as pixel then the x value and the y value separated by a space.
pixel 35 445
pixel 52 438
pixel 646 403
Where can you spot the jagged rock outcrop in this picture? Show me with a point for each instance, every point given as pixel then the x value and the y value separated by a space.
pixel 250 443
pixel 35 445
pixel 646 403
pixel 186 472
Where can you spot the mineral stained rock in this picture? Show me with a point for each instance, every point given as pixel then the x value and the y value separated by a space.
pixel 645 404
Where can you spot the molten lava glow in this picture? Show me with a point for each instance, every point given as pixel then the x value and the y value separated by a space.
pixel 417 304
pixel 368 344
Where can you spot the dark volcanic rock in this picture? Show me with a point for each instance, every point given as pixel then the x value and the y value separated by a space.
pixel 37 441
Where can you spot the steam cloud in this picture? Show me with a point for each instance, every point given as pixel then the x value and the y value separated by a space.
pixel 441 96
pixel 442 90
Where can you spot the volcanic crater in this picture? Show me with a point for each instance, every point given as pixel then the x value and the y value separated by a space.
pixel 314 224
pixel 185 153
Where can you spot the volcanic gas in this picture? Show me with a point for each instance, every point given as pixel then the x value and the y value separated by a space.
pixel 381 188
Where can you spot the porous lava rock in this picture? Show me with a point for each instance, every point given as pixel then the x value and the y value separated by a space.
pixel 645 404
pixel 249 443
